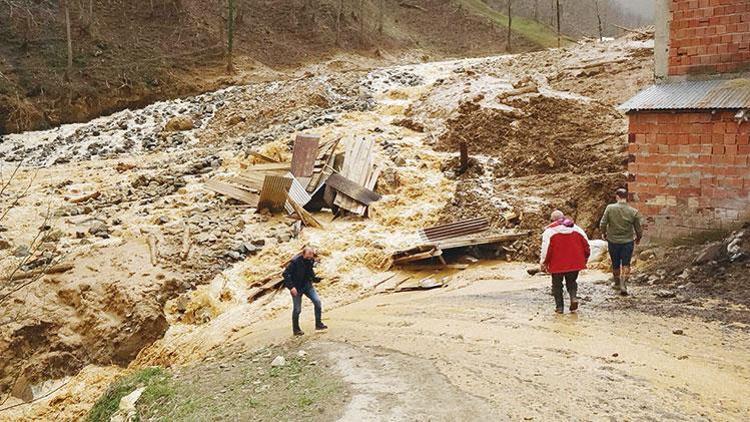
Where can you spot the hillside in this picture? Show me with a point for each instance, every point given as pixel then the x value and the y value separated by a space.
pixel 130 53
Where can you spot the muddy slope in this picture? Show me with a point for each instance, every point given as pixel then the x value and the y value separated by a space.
pixel 129 54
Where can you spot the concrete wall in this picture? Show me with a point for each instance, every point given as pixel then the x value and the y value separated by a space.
pixel 690 171
pixel 706 36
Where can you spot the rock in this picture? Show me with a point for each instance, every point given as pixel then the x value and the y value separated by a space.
pixel 247 248
pixel 710 253
pixel 614 355
pixel 98 228
pixel 126 411
pixel 4 244
pixel 665 294
pixel 278 361
pixel 302 354
pixel 678 332
pixel 21 251
pixel 258 242
pixel 646 255
pixel 179 123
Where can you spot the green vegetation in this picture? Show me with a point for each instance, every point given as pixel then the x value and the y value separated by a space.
pixel 155 379
pixel 234 386
pixel 528 28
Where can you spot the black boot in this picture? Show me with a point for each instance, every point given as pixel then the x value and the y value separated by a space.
pixel 573 300
pixel 295 326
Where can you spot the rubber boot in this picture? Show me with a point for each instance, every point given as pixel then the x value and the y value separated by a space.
pixel 623 286
pixel 573 299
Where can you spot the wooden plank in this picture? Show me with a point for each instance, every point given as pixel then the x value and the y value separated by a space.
pixel 246 183
pixel 418 256
pixel 283 167
pixel 351 189
pixel 324 165
pixel 437 267
pixel 464 242
pixel 274 192
pixel 306 217
pixel 357 168
pixel 232 191
pixel 263 157
pixel 304 155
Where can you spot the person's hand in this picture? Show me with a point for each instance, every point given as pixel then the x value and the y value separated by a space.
pixel 293 290
pixel 604 236
pixel 637 240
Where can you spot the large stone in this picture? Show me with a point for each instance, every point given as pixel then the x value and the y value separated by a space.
pixel 179 123
pixel 278 361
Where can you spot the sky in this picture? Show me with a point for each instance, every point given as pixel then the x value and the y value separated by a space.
pixel 643 8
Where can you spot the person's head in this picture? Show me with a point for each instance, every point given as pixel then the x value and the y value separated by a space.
pixel 308 253
pixel 556 215
pixel 621 195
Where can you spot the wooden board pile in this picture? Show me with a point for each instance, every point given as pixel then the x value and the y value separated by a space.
pixel 316 178
pixel 459 234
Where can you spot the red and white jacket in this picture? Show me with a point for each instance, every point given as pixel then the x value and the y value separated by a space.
pixel 565 247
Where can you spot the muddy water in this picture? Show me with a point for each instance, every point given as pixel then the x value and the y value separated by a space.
pixel 493 336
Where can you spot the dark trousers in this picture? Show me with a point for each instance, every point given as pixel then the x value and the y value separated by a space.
pixel 571 285
pixel 297 309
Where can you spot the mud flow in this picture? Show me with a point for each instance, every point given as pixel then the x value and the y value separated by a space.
pixel 125 191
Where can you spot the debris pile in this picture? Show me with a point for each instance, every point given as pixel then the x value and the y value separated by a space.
pixel 317 177
pixel 683 276
pixel 456 235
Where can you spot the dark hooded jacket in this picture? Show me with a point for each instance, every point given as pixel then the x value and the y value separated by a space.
pixel 299 273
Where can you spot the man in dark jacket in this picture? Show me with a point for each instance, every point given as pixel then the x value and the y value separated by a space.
pixel 298 278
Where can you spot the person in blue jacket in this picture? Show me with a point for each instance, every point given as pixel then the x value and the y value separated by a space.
pixel 299 277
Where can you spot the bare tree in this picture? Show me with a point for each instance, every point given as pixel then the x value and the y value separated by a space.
pixel 599 20
pixel 66 12
pixel 510 25
pixel 230 35
pixel 557 9
pixel 536 10
pixel 381 16
pixel 362 20
pixel 339 14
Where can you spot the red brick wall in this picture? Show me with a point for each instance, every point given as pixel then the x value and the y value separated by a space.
pixel 709 36
pixel 689 171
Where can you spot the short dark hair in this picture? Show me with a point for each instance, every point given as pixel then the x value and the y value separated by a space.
pixel 621 193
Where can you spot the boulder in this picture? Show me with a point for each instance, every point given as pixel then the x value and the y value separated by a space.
pixel 179 123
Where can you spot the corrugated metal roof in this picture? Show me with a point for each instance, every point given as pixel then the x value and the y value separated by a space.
pixel 456 229
pixel 719 94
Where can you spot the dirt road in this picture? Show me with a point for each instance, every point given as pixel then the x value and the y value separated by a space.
pixel 494 348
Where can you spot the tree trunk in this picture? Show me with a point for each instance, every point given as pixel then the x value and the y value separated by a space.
pixel 536 10
pixel 508 47
pixel 599 20
pixel 381 16
pixel 362 21
pixel 230 35
pixel 339 13
pixel 66 11
pixel 557 8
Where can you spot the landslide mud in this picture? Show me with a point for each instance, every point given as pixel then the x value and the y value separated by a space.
pixel 155 188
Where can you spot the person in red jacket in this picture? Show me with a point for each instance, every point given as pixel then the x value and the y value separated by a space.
pixel 565 251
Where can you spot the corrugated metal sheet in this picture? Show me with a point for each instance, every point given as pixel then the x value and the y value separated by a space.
pixel 453 230
pixel 721 94
pixel 297 193
pixel 304 154
pixel 273 194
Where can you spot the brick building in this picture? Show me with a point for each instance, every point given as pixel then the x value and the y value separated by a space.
pixel 689 135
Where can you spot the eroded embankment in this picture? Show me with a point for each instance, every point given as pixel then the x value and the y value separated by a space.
pixel 149 166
